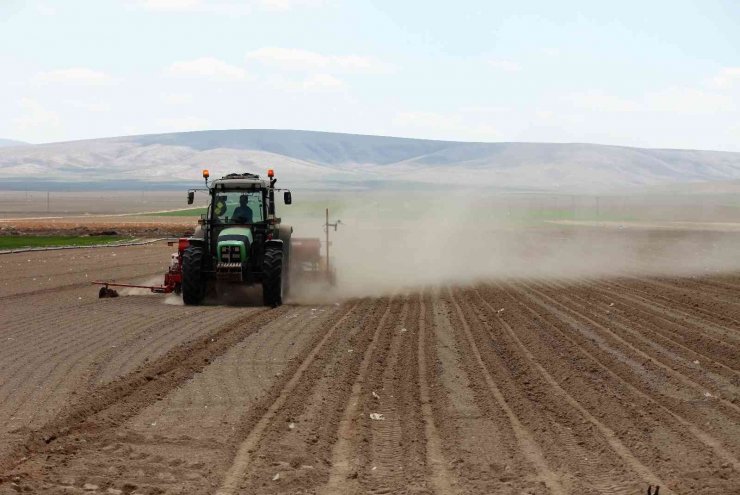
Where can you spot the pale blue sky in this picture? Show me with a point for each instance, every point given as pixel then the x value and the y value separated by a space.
pixel 643 73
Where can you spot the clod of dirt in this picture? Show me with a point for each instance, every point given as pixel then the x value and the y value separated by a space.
pixel 377 417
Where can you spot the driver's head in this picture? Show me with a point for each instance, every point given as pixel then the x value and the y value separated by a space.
pixel 243 200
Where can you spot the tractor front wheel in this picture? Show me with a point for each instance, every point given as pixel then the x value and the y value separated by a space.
pixel 272 276
pixel 193 283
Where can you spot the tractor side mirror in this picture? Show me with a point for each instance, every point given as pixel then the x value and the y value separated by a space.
pixel 191 197
pixel 287 198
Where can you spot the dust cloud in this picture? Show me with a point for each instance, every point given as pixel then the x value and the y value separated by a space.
pixel 388 241
pixel 173 300
pixel 391 241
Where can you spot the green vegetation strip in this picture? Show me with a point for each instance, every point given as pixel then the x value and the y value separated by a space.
pixel 41 241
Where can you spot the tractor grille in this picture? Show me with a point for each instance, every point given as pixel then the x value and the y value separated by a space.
pixel 229 267
pixel 231 272
pixel 231 254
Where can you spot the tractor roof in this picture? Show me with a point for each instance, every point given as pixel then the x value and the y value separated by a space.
pixel 240 181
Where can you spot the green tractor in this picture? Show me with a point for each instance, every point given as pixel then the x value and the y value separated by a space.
pixel 239 240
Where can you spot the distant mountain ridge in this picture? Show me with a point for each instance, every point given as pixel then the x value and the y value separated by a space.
pixel 321 147
pixel 317 159
pixel 11 142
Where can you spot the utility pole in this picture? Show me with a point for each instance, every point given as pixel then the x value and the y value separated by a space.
pixel 326 229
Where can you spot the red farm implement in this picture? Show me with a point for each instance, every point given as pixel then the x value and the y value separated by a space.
pixel 172 279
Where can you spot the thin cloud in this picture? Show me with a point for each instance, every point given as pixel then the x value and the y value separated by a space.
pixel 74 75
pixel 313 83
pixel 186 123
pixel 322 82
pixel 209 68
pixel 177 98
pixel 225 7
pixel 89 106
pixel 300 59
pixel 675 99
pixel 46 10
pixel 193 6
pixel 283 5
pixel 600 101
pixel 36 118
pixel 445 126
pixel 685 100
pixel 727 77
pixel 505 65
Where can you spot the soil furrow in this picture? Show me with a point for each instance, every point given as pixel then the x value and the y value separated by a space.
pixel 717 354
pixel 440 478
pixel 626 341
pixel 234 475
pixel 297 444
pixel 568 345
pixel 111 404
pixel 381 467
pixel 566 432
pixel 608 433
pixel 393 458
pixel 344 459
pixel 691 310
pixel 724 336
pixel 525 439
pixel 476 436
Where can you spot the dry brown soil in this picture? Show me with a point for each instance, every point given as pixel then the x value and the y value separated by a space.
pixel 524 386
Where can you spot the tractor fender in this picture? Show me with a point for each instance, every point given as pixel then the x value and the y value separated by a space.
pixel 196 241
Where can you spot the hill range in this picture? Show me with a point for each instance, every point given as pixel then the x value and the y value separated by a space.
pixel 323 159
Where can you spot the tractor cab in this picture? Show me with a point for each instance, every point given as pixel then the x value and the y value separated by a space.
pixel 240 239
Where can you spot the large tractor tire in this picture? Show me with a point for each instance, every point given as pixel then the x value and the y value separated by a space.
pixel 272 276
pixel 193 282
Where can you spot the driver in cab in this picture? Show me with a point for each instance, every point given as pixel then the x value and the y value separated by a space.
pixel 243 213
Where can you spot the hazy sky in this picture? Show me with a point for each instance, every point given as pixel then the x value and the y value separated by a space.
pixel 659 73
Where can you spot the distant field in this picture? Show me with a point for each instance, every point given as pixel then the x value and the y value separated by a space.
pixel 191 212
pixel 560 214
pixel 31 241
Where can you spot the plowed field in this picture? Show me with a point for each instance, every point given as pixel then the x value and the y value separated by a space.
pixel 515 386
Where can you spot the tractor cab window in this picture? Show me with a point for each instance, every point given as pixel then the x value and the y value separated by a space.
pixel 238 207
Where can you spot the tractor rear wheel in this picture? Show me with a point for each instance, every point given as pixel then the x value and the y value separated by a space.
pixel 272 276
pixel 193 283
